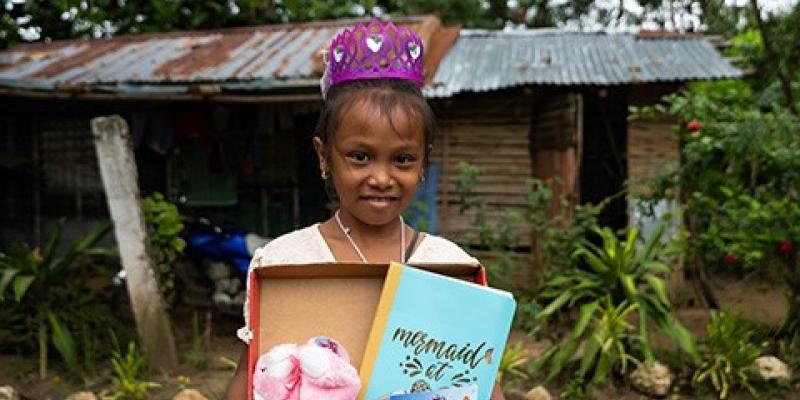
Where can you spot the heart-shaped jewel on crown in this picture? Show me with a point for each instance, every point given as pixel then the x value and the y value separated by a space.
pixel 414 50
pixel 374 42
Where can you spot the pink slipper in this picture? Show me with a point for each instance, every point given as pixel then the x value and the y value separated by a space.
pixel 278 375
pixel 327 373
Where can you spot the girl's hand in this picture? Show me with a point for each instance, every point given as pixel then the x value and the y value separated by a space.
pixel 497 393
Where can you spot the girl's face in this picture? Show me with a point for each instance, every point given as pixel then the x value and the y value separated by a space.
pixel 375 163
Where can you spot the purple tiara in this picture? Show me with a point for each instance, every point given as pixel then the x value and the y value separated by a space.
pixel 374 51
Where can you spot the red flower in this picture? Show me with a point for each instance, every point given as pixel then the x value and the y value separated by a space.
pixel 785 247
pixel 693 125
pixel 730 259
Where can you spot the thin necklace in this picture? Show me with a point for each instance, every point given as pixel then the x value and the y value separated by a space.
pixel 346 232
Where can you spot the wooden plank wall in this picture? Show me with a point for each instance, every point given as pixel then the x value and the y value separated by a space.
pixel 501 153
pixel 491 131
pixel 651 146
pixel 557 144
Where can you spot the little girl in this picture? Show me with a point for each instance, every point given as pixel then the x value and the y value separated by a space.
pixel 373 141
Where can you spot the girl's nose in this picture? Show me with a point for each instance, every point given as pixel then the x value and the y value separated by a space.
pixel 381 178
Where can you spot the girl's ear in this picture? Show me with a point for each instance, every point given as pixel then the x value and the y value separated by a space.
pixel 319 148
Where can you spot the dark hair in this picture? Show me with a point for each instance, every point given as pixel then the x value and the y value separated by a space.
pixel 384 93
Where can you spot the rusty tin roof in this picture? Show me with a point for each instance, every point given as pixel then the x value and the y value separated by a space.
pixel 252 58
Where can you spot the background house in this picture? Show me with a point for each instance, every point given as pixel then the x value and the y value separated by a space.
pixel 222 120
pixel 550 103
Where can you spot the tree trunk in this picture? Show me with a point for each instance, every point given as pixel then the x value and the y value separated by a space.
pixel 702 290
pixel 785 78
pixel 118 170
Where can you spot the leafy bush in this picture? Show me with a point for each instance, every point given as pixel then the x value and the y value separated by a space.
pixel 130 371
pixel 511 365
pixel 605 333
pixel 609 282
pixel 728 355
pixel 738 181
pixel 45 297
pixel 164 227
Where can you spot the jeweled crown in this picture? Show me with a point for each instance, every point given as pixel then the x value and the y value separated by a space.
pixel 374 51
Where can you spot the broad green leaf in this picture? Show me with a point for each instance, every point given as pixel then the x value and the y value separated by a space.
pixel 589 353
pixel 659 287
pixel 21 285
pixel 646 253
pixel 628 285
pixel 63 342
pixel 542 360
pixel 79 248
pixel 52 244
pixel 562 357
pixel 585 316
pixel 556 304
pixel 603 367
pixel 630 240
pixel 5 280
pixel 655 266
pixel 596 263
pixel 648 353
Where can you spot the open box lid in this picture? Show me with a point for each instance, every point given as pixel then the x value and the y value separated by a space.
pixel 293 303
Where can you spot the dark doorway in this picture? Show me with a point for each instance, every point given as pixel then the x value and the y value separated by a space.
pixel 604 163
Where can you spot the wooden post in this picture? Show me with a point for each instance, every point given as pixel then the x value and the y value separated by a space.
pixel 118 169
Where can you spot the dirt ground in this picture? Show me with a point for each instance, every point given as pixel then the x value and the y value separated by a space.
pixel 222 354
pixel 757 298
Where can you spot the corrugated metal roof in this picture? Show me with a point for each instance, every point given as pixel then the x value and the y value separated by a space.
pixel 490 60
pixel 243 58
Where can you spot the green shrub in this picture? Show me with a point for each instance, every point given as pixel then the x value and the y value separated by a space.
pixel 607 283
pixel 164 227
pixel 130 372
pixel 738 183
pixel 728 355
pixel 45 298
pixel 512 364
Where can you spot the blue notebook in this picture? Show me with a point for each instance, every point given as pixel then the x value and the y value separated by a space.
pixel 431 332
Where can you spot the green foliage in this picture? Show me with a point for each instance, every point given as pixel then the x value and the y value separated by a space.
pixel 739 180
pixel 728 355
pixel 45 298
pixel 512 364
pixel 164 227
pixel 60 19
pixel 198 354
pixel 609 282
pixel 130 372
pixel 605 334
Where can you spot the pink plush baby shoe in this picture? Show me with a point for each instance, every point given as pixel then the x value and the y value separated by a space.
pixel 278 374
pixel 327 373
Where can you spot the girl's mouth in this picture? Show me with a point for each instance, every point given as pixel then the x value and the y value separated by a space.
pixel 379 201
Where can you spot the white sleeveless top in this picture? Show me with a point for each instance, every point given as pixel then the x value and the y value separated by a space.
pixel 307 246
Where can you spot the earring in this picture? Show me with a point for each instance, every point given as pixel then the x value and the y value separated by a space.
pixel 422 178
pixel 325 175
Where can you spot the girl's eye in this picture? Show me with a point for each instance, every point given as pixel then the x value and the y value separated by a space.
pixel 404 159
pixel 359 156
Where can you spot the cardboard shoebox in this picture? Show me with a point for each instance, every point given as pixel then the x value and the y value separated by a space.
pixel 292 303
